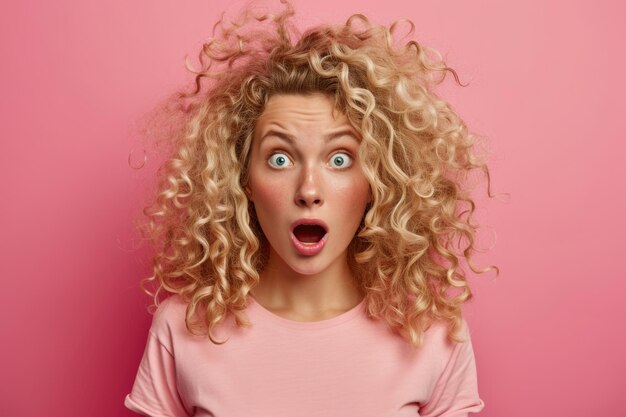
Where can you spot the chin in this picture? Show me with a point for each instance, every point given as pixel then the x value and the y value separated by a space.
pixel 301 269
pixel 308 265
pixel 313 265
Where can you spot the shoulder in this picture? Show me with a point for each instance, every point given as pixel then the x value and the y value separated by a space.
pixel 170 308
pixel 173 304
pixel 169 319
pixel 436 337
pixel 448 357
pixel 455 390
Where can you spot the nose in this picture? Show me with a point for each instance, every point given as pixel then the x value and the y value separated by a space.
pixel 309 191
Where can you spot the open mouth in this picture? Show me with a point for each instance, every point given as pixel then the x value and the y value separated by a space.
pixel 309 233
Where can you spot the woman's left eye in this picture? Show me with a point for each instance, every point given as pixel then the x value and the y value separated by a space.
pixel 341 160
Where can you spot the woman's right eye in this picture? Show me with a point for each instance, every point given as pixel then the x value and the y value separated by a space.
pixel 279 160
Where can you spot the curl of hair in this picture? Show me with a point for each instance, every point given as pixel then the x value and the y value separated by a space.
pixel 417 235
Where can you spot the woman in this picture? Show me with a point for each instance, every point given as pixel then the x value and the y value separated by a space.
pixel 311 226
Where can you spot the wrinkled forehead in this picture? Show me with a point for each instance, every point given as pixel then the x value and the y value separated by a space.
pixel 302 112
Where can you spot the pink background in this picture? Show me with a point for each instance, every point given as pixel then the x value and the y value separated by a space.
pixel 546 90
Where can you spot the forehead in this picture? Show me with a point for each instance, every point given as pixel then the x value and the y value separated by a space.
pixel 300 111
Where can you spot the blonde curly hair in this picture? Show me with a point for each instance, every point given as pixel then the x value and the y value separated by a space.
pixel 416 236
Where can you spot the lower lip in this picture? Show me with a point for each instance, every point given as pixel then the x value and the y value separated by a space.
pixel 309 249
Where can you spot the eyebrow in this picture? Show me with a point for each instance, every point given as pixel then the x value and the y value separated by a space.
pixel 291 139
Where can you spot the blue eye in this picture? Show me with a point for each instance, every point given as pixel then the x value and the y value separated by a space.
pixel 279 160
pixel 341 160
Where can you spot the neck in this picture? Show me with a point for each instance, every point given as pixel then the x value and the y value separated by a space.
pixel 307 295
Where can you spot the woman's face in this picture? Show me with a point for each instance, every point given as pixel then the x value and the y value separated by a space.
pixel 303 169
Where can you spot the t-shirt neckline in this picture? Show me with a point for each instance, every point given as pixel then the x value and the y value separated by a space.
pixel 341 318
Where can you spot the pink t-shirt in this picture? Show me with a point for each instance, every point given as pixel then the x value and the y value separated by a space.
pixel 345 366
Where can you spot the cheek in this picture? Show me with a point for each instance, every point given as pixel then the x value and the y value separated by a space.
pixel 350 203
pixel 356 193
pixel 267 196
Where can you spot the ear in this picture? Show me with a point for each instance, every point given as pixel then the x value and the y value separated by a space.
pixel 248 192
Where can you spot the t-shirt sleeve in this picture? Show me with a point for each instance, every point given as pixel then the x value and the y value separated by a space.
pixel 155 391
pixel 456 392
